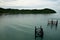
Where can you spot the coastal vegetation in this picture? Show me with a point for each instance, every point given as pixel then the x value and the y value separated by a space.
pixel 26 11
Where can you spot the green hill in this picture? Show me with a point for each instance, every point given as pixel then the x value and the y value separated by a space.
pixel 26 11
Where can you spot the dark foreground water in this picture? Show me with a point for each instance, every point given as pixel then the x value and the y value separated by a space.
pixel 21 27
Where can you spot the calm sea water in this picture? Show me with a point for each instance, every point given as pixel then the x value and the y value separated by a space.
pixel 21 27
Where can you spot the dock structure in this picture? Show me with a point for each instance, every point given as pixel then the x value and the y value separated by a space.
pixel 53 22
pixel 39 32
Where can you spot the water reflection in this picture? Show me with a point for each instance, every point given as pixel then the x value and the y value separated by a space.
pixel 56 27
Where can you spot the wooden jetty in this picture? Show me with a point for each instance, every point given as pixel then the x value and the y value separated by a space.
pixel 53 22
pixel 39 32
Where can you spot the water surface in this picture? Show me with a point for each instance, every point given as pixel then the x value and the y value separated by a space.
pixel 21 27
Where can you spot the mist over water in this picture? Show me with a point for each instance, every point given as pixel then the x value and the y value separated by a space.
pixel 21 27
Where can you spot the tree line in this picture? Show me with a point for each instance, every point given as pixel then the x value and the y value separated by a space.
pixel 26 11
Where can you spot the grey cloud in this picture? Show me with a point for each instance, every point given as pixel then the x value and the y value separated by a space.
pixel 8 0
pixel 54 6
pixel 16 7
pixel 50 0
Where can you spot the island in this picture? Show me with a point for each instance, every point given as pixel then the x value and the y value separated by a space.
pixel 26 11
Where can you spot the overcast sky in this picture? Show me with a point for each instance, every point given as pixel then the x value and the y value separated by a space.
pixel 30 4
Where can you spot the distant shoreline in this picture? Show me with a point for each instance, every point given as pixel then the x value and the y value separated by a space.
pixel 26 11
